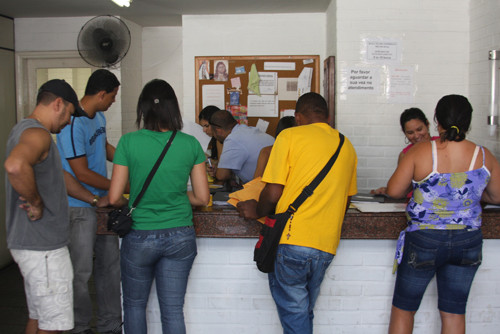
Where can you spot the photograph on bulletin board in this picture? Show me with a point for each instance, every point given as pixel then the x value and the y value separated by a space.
pixel 255 88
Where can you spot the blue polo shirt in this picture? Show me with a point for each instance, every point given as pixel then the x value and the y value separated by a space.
pixel 84 137
pixel 241 150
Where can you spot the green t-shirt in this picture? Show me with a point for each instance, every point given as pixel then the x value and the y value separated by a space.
pixel 165 203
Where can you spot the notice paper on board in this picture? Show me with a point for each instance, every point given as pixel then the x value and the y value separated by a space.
pixel 288 89
pixel 305 78
pixel 268 83
pixel 213 95
pixel 279 66
pixel 262 106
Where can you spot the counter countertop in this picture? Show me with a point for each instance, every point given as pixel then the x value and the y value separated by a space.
pixel 224 222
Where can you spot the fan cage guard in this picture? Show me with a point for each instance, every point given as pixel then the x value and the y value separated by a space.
pixel 103 41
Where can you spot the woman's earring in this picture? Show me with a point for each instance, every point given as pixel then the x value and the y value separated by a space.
pixel 407 141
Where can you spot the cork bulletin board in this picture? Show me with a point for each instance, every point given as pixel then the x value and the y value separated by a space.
pixel 277 82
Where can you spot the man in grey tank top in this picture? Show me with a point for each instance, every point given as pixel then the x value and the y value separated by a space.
pixel 37 208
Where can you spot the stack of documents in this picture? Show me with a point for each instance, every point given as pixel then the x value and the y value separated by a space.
pixel 375 203
pixel 251 190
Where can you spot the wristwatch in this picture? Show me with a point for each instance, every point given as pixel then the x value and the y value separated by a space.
pixel 95 200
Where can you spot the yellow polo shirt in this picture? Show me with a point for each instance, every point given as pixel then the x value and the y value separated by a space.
pixel 298 155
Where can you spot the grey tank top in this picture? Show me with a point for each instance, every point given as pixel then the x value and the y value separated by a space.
pixel 52 230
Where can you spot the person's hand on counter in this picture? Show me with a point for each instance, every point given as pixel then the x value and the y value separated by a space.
pixel 121 202
pixel 379 191
pixel 247 209
pixel 102 202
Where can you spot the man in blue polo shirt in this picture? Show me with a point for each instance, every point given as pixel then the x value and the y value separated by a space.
pixel 84 150
pixel 242 145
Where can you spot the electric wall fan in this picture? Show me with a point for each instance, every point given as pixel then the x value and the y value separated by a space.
pixel 103 41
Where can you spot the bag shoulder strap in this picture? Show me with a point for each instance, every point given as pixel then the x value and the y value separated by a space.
pixel 153 171
pixel 309 189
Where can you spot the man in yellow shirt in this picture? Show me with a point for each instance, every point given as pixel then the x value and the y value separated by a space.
pixel 312 234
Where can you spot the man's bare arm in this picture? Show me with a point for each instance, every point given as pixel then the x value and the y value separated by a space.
pixel 33 147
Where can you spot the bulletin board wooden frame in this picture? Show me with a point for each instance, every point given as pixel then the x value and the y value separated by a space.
pixel 301 61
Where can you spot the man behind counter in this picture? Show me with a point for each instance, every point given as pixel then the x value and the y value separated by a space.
pixel 242 145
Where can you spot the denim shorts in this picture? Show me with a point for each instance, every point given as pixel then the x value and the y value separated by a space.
pixel 452 255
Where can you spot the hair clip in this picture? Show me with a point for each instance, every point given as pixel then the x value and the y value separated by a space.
pixel 156 101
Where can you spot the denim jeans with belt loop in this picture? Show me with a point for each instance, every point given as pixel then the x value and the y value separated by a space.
pixel 295 284
pixel 167 256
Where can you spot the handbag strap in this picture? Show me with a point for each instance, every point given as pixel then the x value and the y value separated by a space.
pixel 309 189
pixel 153 171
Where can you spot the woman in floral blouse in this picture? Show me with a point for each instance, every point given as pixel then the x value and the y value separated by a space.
pixel 449 177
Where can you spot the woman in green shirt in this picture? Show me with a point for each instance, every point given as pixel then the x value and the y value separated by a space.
pixel 162 242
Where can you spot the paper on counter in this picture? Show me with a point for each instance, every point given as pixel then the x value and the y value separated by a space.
pixel 251 190
pixel 379 207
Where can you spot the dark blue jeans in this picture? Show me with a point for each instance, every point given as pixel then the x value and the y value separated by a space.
pixel 167 256
pixel 452 255
pixel 295 282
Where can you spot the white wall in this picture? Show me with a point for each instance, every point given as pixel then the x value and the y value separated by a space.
pixel 48 34
pixel 162 57
pixel 229 35
pixel 484 36
pixel 130 69
pixel 331 29
pixel 227 294
pixel 60 34
pixel 434 38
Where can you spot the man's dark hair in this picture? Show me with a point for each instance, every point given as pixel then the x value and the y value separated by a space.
pixel 45 98
pixel 312 105
pixel 222 119
pixel 158 107
pixel 101 80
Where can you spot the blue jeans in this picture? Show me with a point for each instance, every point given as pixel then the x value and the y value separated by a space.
pixel 452 255
pixel 165 255
pixel 295 282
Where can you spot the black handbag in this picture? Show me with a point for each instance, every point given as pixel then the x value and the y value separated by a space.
pixel 120 220
pixel 264 253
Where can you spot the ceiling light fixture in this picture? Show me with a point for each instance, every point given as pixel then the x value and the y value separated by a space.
pixel 122 3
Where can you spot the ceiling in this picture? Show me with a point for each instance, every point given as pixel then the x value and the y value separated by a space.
pixel 149 13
